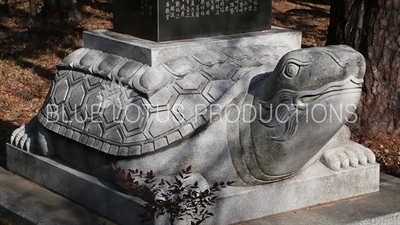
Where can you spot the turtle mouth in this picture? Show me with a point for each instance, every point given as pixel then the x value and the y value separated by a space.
pixel 348 85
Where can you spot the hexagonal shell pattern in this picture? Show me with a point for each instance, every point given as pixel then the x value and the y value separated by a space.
pixel 149 122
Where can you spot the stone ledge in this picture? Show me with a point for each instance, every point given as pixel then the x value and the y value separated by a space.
pixel 154 53
pixel 93 193
pixel 382 207
pixel 316 185
pixel 25 203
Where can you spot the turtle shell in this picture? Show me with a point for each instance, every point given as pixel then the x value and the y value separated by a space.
pixel 125 108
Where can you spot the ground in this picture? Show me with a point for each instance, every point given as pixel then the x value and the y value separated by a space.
pixel 30 49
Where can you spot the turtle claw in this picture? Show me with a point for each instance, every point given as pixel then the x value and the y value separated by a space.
pixel 23 141
pixel 334 159
pixel 348 155
pixel 16 135
pixel 365 155
pixel 21 138
pixel 28 143
pixel 24 136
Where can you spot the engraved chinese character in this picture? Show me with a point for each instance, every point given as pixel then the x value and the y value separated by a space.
pixel 217 7
pixel 255 6
pixel 142 8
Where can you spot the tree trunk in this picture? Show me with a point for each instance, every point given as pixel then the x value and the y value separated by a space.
pixel 373 28
pixel 32 7
pixel 64 8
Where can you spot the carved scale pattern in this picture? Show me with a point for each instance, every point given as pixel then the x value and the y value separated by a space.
pixel 161 100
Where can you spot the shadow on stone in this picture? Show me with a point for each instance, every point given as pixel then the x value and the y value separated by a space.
pixel 6 128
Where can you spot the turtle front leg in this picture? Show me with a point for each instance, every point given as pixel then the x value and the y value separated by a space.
pixel 349 154
pixel 33 137
pixel 25 136
pixel 344 153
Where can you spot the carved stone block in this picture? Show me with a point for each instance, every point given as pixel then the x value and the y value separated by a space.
pixel 165 20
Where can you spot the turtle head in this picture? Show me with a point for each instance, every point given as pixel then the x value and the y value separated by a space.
pixel 302 104
pixel 305 79
pixel 314 68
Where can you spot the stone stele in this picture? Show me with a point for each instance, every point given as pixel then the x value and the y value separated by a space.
pixel 240 110
pixel 166 20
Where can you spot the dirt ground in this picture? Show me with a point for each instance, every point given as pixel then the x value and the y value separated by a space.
pixel 30 49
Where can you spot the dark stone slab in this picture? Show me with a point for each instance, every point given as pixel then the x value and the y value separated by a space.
pixel 3 161
pixel 165 20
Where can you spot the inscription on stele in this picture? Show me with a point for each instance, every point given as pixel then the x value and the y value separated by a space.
pixel 181 19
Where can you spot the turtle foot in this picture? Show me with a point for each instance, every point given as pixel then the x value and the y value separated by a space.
pixel 33 137
pixel 25 136
pixel 348 155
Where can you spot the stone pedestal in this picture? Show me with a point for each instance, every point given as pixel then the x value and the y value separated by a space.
pixel 153 53
pixel 316 185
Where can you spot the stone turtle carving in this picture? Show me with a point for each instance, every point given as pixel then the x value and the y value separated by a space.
pixel 225 112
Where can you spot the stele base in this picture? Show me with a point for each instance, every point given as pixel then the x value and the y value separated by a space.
pixel 316 185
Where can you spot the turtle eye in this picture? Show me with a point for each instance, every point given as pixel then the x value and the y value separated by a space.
pixel 291 70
